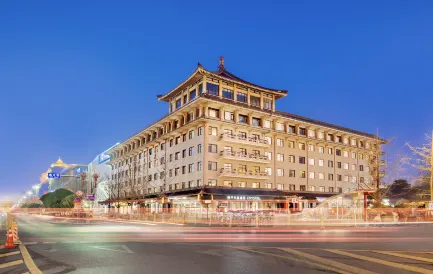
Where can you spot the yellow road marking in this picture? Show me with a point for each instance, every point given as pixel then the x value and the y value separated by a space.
pixel 9 254
pixel 31 266
pixel 17 262
pixel 374 260
pixel 348 268
pixel 406 256
pixel 293 259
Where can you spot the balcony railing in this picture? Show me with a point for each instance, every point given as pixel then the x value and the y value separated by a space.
pixel 243 174
pixel 253 157
pixel 245 140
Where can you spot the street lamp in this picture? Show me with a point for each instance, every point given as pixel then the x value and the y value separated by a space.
pixel 83 177
pixel 36 188
pixel 95 178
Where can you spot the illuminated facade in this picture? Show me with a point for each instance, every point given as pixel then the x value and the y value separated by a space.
pixel 224 144
pixel 69 177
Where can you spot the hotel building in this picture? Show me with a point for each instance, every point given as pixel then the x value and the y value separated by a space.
pixel 223 144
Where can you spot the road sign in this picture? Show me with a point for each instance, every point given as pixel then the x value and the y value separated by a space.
pixel 53 175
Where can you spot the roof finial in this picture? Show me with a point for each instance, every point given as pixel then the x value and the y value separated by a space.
pixel 221 66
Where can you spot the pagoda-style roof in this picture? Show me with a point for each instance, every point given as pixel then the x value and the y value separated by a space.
pixel 223 74
pixel 59 163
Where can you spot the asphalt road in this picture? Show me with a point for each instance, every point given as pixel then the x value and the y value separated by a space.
pixel 68 246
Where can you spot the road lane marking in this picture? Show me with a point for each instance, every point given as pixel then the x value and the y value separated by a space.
pixel 9 254
pixel 30 243
pixel 405 256
pixel 379 261
pixel 113 248
pixel 320 266
pixel 49 242
pixel 348 268
pixel 17 262
pixel 31 266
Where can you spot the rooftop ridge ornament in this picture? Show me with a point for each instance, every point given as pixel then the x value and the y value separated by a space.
pixel 221 65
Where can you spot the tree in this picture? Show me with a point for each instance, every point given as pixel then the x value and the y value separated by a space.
pixel 53 199
pixel 399 189
pixel 68 201
pixel 421 161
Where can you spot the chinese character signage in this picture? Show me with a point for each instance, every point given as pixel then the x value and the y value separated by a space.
pixel 243 197
pixel 53 175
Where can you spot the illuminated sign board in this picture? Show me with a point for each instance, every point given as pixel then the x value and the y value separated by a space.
pixel 53 175
pixel 243 197
pixel 102 158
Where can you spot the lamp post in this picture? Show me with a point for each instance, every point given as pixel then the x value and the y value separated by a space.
pixel 36 188
pixel 83 177
pixel 30 195
pixel 95 179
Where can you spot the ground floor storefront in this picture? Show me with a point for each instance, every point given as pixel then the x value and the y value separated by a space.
pixel 219 199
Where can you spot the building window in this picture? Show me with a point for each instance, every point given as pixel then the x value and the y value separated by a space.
pixel 302 174
pixel 228 94
pixel 353 179
pixel 311 161
pixel 292 187
pixel 303 188
pixel 256 185
pixel 213 112
pixel 346 178
pixel 331 177
pixel 291 158
pixel 302 131
pixel 321 176
pixel 228 183
pixel 321 162
pixel 200 131
pixel 311 133
pixel 292 129
pixel 267 103
pixel 338 164
pixel 345 153
pixel 268 140
pixel 345 165
pixel 190 151
pixel 320 149
pixel 184 153
pixel 360 156
pixel 267 124
pixel 280 142
pixel 192 95
pixel 178 103
pixel 268 185
pixel 212 89
pixel 292 173
pixel 242 184
pixel 269 155
pixel 213 131
pixel 353 155
pixel 353 142
pixel 191 134
pixel 199 148
pixel 312 188
pixel 330 137
pixel 310 147
pixel 243 119
pixel 330 163
pixel 183 169
pixel 280 186
pixel 191 168
pixel 322 189
pixel 361 168
pixel 311 175
pixel 229 116
pixel 241 97
pixel 212 166
pixel 280 172
pixel 301 146
pixel 353 167
pixel 254 101
pixel 330 151
pixel 291 144
pixel 176 141
pixel 256 122
pixel 198 166
pixel 212 148
pixel 279 126
pixel 268 170
pixel 212 182
pixel 301 159
pixel 184 137
pixel 338 152
pixel 280 157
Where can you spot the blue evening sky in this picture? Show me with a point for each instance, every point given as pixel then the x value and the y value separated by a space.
pixel 78 76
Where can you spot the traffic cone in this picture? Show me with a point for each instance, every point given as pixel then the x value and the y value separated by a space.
pixel 10 240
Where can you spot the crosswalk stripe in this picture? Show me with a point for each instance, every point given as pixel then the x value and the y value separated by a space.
pixel 293 259
pixel 405 256
pixel 348 268
pixel 9 254
pixel 379 261
pixel 17 262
